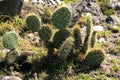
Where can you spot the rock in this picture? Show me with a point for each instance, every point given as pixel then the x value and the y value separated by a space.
pixel 5 50
pixel 101 40
pixel 10 7
pixel 34 39
pixel 113 19
pixel 1 0
pixel 31 8
pixel 30 35
pixel 84 7
pixel 11 78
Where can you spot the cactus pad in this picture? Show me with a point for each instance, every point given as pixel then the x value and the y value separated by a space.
pixel 65 48
pixel 94 58
pixel 33 22
pixel 78 46
pixel 61 17
pixel 10 40
pixel 45 32
pixel 60 37
pixel 12 56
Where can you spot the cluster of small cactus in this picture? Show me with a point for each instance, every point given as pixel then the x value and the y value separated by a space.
pixel 10 41
pixel 61 40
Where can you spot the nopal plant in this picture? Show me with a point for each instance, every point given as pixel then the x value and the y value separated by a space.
pixel 10 41
pixel 61 40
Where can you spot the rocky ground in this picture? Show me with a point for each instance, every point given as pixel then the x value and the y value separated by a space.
pixel 110 68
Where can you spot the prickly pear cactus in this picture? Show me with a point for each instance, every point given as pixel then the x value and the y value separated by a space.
pixel 45 32
pixel 61 17
pixel 94 58
pixel 10 40
pixel 33 22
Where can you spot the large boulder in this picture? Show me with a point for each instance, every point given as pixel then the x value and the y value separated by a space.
pixel 84 7
pixel 10 7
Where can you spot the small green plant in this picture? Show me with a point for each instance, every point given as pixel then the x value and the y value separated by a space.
pixel 70 1
pixel 118 42
pixel 115 64
pixel 83 76
pixel 106 9
pixel 118 24
pixel 109 11
pixel 101 77
pixel 115 29
pixel 115 50
pixel 104 33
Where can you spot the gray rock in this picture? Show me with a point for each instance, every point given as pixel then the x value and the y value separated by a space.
pixel 84 7
pixel 31 8
pixel 113 19
pixel 11 78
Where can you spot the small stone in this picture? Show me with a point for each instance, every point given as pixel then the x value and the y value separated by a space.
pixel 11 78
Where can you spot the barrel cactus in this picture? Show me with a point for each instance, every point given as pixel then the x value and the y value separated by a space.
pixel 10 40
pixel 33 22
pixel 61 17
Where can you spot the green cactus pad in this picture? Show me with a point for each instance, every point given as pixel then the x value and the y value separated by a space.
pixel 10 40
pixel 94 58
pixel 33 22
pixel 78 46
pixel 65 48
pixel 89 24
pixel 60 37
pixel 12 56
pixel 61 17
pixel 45 32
